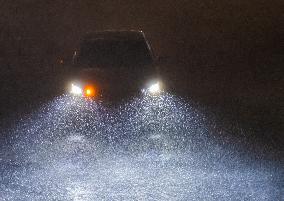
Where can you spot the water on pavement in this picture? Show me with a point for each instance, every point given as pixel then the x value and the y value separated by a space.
pixel 149 148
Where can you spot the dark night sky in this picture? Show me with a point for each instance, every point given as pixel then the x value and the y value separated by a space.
pixel 219 31
pixel 216 50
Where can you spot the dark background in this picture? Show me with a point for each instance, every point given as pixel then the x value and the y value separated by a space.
pixel 226 55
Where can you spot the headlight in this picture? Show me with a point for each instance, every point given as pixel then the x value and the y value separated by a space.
pixel 84 91
pixel 76 90
pixel 155 88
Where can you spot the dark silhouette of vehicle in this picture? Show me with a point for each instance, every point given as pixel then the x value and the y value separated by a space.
pixel 114 64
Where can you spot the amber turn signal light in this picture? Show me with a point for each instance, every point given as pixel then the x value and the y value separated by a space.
pixel 89 91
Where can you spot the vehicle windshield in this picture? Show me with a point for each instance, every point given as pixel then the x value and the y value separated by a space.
pixel 102 52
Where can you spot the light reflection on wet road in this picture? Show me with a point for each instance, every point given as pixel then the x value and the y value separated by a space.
pixel 150 148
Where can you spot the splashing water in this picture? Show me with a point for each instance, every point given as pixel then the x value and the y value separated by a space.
pixel 149 148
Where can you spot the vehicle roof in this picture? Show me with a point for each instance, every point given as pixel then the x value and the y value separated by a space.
pixel 115 35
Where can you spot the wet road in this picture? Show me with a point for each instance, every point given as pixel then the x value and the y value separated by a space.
pixel 150 148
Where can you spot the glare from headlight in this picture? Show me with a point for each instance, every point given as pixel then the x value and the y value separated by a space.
pixel 76 90
pixel 155 88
